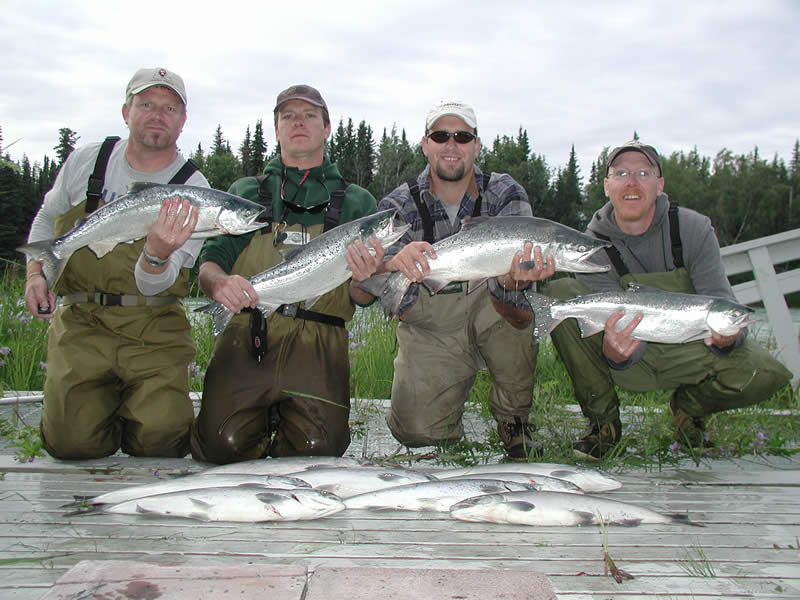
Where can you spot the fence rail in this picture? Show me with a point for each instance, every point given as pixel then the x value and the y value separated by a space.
pixel 760 257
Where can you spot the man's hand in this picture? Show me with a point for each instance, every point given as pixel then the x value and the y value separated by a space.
pixel 721 341
pixel 39 299
pixel 361 261
pixel 412 260
pixel 175 224
pixel 520 274
pixel 233 291
pixel 619 346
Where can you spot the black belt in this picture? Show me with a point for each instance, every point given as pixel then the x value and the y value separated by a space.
pixel 118 299
pixel 293 312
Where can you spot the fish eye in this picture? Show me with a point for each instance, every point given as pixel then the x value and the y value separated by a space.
pixel 582 248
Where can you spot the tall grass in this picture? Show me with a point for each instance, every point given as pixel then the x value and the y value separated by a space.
pixel 647 427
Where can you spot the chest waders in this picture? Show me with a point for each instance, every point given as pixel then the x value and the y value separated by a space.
pixel 295 400
pixel 443 341
pixel 704 381
pixel 117 373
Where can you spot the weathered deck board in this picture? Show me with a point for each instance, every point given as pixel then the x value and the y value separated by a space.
pixel 750 510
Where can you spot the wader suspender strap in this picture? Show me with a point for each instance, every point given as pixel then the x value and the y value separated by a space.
pixel 258 325
pixel 98 177
pixel 425 214
pixel 675 239
pixel 186 171
pixel 675 235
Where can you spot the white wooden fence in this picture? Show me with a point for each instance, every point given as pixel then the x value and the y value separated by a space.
pixel 759 257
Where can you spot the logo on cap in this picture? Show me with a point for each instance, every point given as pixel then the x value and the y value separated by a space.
pixel 162 72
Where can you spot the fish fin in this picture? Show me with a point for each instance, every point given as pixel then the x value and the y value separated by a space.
pixel 475 284
pixel 52 265
pixel 311 301
pixel 91 509
pixel 587 328
pixel 100 249
pixel 78 501
pixel 583 517
pixel 219 313
pixel 626 522
pixel 391 294
pixel 472 222
pixel 434 285
pixel 543 322
pixel 375 284
pixel 137 186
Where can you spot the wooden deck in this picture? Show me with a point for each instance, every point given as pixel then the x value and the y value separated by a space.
pixel 748 549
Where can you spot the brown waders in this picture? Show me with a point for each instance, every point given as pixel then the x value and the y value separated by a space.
pixel 443 342
pixel 300 391
pixel 117 376
pixel 704 382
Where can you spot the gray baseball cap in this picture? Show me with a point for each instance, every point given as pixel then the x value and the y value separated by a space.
pixel 635 146
pixel 147 78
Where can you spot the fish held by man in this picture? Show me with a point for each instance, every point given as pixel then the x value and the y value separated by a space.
pixel 556 509
pixel 484 248
pixel 313 269
pixel 669 317
pixel 130 217
pixel 243 503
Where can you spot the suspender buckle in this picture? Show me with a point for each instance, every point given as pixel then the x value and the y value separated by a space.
pixel 288 310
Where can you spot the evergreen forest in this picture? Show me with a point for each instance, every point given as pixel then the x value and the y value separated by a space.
pixel 746 196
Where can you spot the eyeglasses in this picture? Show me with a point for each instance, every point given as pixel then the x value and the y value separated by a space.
pixel 461 137
pixel 641 175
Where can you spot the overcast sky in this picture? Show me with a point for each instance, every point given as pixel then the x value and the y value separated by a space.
pixel 711 74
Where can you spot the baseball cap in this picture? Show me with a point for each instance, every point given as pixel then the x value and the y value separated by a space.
pixel 147 78
pixel 301 92
pixel 635 146
pixel 453 108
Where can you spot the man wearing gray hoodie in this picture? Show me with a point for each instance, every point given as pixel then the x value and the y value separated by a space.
pixel 658 245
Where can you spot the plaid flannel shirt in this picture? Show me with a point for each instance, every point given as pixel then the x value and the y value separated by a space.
pixel 501 196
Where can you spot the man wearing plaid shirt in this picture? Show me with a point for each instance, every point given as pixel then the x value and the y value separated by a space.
pixel 445 339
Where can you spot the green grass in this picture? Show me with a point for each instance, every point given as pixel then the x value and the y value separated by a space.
pixel 647 427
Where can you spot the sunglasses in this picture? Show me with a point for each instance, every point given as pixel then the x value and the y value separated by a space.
pixel 461 137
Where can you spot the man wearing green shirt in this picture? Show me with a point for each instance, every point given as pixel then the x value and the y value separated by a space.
pixel 294 399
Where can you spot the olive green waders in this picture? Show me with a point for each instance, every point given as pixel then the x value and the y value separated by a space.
pixel 705 382
pixel 443 342
pixel 300 391
pixel 117 376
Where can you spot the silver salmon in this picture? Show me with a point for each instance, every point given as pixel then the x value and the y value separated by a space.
pixel 433 496
pixel 351 481
pixel 587 479
pixel 669 317
pixel 483 248
pixel 243 503
pixel 558 509
pixel 189 482
pixel 314 268
pixel 130 217
pixel 286 464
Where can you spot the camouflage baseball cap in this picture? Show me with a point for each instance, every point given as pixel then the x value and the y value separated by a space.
pixel 147 78
pixel 635 146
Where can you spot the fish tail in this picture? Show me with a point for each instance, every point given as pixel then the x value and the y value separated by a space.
pixel 219 313
pixel 389 289
pixel 52 266
pixel 84 509
pixel 543 321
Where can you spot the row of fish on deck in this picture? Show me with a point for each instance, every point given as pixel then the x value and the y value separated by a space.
pixel 303 488
pixel 482 249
